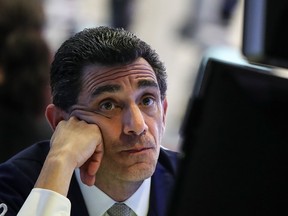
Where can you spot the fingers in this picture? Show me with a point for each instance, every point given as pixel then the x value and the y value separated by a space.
pixel 90 168
pixel 81 127
pixel 95 160
pixel 86 116
pixel 76 141
pixel 87 179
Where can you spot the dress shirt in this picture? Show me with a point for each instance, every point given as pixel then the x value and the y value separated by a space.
pixel 43 202
pixel 97 202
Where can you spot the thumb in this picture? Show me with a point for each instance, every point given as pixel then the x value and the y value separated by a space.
pixel 90 167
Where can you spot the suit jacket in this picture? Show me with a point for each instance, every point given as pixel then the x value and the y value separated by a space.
pixel 19 174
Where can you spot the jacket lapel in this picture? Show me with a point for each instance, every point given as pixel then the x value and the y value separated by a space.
pixel 78 206
pixel 162 185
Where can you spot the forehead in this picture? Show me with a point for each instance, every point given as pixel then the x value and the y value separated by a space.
pixel 95 75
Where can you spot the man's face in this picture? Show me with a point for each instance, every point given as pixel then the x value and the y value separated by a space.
pixel 125 102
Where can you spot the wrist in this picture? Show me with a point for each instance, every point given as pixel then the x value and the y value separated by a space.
pixel 56 174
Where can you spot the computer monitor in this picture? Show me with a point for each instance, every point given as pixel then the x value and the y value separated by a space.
pixel 234 143
pixel 265 33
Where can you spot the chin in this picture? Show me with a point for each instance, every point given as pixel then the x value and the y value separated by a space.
pixel 139 172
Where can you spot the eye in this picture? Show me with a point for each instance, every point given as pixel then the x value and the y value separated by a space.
pixel 108 105
pixel 147 101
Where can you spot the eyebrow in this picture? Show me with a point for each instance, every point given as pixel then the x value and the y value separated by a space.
pixel 114 87
pixel 106 88
pixel 147 83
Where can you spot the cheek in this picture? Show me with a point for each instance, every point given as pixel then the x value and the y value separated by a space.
pixel 160 120
pixel 111 131
pixel 156 128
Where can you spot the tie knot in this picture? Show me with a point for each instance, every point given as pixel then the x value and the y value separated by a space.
pixel 119 209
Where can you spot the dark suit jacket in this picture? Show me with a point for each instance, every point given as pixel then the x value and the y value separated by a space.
pixel 19 174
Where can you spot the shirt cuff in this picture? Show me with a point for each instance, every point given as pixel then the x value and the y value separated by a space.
pixel 42 202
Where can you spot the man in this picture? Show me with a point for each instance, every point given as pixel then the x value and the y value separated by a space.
pixel 108 113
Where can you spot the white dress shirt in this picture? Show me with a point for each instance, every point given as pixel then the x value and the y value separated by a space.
pixel 97 202
pixel 42 202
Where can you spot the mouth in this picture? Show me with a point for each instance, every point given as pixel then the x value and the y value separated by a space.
pixel 138 150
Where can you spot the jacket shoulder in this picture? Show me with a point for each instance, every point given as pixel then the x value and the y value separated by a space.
pixel 169 160
pixel 19 174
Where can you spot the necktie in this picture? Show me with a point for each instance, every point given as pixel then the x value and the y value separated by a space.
pixel 119 209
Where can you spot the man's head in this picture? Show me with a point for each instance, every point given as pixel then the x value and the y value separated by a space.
pixel 110 78
pixel 102 46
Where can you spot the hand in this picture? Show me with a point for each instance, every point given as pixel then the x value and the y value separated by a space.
pixel 74 144
pixel 80 144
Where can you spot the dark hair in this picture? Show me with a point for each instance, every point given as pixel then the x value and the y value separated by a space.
pixel 102 45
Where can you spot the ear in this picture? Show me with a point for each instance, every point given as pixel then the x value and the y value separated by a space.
pixel 54 115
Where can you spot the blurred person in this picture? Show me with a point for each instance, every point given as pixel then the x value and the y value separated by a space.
pixel 122 13
pixel 191 21
pixel 227 9
pixel 203 12
pixel 108 115
pixel 20 14
pixel 24 76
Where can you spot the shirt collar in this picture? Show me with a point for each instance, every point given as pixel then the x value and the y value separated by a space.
pixel 138 202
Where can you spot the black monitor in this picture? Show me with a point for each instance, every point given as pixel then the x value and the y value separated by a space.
pixel 234 143
pixel 265 33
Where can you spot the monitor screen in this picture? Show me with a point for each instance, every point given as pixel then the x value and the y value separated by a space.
pixel 234 143
pixel 264 33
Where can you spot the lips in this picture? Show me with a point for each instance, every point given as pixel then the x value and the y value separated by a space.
pixel 136 150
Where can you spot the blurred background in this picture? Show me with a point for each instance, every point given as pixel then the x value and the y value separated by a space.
pixel 180 31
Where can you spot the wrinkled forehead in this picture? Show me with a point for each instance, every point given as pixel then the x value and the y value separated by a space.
pixel 96 75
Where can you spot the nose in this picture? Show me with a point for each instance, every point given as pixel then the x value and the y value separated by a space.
pixel 133 121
